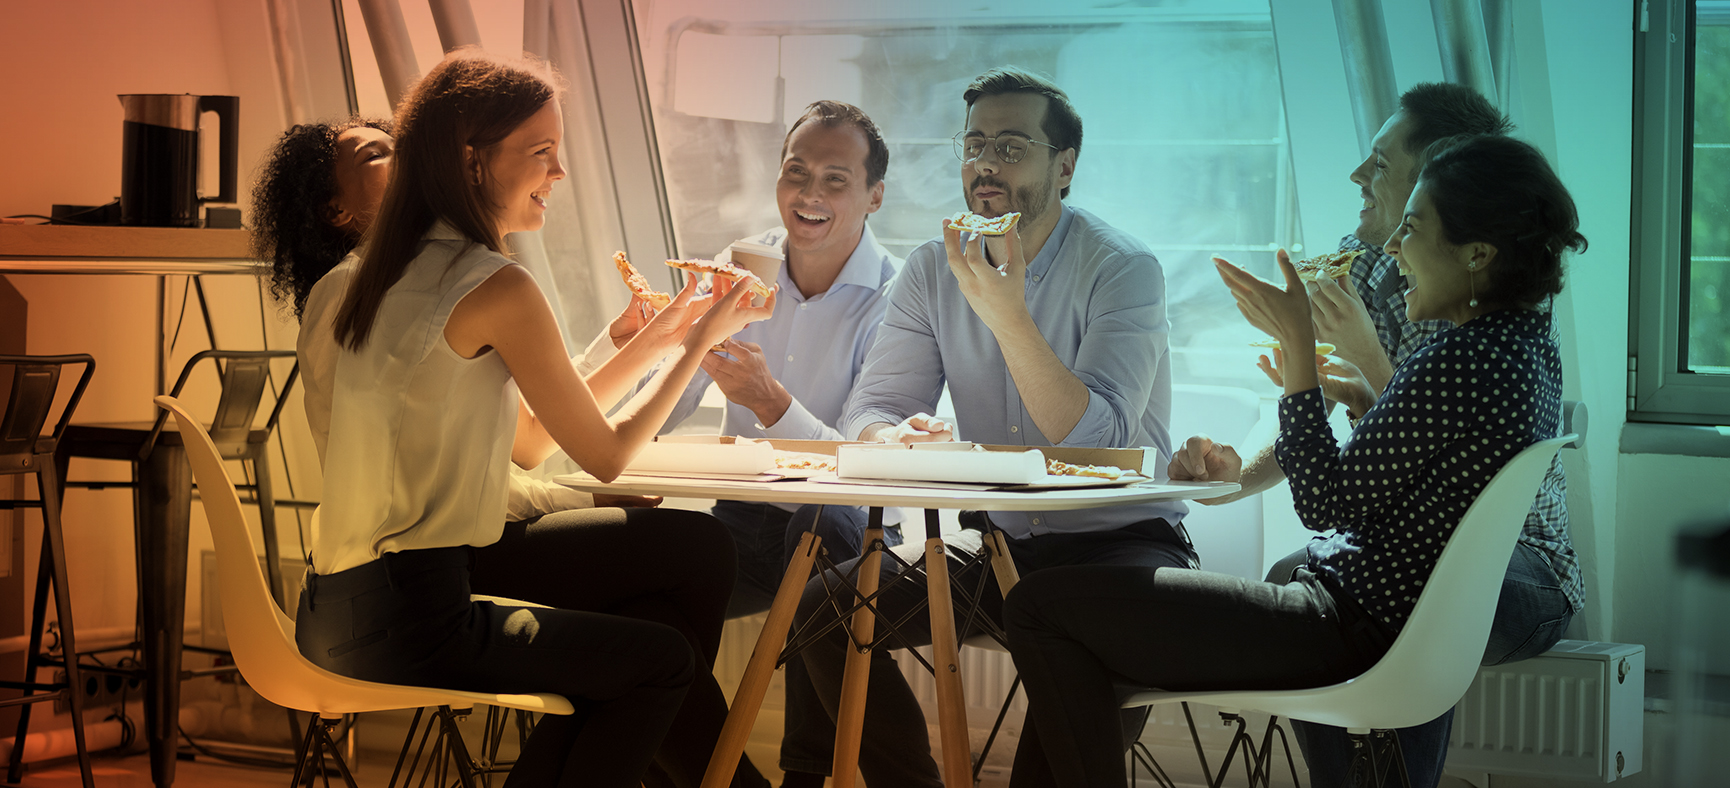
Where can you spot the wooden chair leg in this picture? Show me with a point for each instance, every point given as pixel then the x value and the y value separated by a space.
pixel 761 669
pixel 946 658
pixel 856 678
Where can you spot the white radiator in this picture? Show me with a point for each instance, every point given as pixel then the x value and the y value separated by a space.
pixel 1572 713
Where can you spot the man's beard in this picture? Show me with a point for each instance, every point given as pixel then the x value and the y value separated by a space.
pixel 1031 201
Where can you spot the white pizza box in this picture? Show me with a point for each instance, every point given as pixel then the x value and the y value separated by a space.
pixel 980 463
pixel 724 454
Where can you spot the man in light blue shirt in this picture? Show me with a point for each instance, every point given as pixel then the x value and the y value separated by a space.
pixel 1054 335
pixel 790 376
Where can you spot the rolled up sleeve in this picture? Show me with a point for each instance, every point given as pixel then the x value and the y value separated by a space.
pixel 1121 353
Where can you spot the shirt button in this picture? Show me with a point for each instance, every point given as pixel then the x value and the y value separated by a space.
pixel 1012 428
pixel 802 306
pixel 1036 277
pixel 789 357
pixel 1035 521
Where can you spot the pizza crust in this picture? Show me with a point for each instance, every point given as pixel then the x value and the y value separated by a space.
pixel 1061 468
pixel 638 285
pixel 974 223
pixel 1322 348
pixel 726 271
pixel 1334 265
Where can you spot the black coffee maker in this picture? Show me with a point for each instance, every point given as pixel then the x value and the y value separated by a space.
pixel 159 157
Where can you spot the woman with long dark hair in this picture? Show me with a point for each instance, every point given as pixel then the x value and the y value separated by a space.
pixel 439 331
pixel 1481 246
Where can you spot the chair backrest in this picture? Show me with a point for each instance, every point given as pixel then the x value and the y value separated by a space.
pixel 259 634
pixel 35 381
pixel 1436 655
pixel 244 374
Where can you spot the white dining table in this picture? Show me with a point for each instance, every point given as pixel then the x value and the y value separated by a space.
pixel 876 495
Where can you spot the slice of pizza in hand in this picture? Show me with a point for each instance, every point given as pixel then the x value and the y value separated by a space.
pixel 640 286
pixel 974 223
pixel 724 270
pixel 1334 265
pixel 1322 348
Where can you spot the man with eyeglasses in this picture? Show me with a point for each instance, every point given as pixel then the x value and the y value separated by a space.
pixel 1054 335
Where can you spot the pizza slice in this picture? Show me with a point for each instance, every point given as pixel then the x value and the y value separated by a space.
pixel 724 270
pixel 638 285
pixel 1061 468
pixel 1334 265
pixel 974 223
pixel 1322 348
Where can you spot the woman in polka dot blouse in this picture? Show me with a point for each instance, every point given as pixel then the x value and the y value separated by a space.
pixel 1480 246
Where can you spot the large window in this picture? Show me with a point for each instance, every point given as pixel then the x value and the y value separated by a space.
pixel 1681 367
pixel 1185 144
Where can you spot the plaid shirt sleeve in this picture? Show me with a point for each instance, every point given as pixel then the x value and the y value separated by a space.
pixel 1377 279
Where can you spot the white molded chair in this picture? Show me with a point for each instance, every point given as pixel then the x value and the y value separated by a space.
pixel 1436 655
pixel 261 636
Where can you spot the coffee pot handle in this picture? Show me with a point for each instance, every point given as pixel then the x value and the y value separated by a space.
pixel 227 109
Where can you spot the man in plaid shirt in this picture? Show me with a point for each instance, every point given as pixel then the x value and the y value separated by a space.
pixel 1367 323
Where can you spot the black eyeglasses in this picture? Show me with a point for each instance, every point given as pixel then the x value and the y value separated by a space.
pixel 1010 146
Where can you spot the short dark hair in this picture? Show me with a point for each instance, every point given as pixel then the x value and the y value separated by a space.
pixel 1062 123
pixel 1498 190
pixel 1438 110
pixel 290 225
pixel 835 113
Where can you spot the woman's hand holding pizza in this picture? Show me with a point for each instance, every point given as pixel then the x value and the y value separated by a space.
pixel 1341 381
pixel 730 312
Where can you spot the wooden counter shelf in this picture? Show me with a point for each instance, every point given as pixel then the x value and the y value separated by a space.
pixel 67 249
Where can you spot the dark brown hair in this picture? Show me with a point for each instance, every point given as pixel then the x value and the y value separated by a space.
pixel 469 99
pixel 290 223
pixel 1438 110
pixel 1500 191
pixel 835 113
pixel 1062 123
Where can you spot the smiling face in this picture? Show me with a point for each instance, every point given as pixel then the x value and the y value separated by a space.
pixel 1438 281
pixel 1385 178
pixel 521 169
pixel 821 190
pixel 360 174
pixel 1031 185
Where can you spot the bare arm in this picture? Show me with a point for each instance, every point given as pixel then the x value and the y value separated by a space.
pixel 509 314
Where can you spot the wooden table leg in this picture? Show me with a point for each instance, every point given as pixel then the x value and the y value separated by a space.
pixel 850 716
pixel 762 667
pixel 758 672
pixel 951 704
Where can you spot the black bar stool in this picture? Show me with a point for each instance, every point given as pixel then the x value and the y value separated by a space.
pixel 24 449
pixel 162 505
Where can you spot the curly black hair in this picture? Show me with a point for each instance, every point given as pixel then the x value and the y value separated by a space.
pixel 290 228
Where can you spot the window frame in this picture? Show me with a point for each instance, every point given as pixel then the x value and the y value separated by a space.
pixel 1661 388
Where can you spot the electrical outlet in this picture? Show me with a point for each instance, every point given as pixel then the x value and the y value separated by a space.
pixel 100 689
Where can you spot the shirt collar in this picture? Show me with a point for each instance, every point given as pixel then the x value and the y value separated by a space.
pixel 1039 265
pixel 864 267
pixel 442 230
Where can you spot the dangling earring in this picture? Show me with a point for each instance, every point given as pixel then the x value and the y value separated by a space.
pixel 1472 268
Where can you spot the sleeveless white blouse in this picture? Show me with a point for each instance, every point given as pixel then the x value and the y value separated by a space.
pixel 420 437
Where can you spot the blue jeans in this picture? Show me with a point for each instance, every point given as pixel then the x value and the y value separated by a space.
pixel 1530 617
pixel 766 538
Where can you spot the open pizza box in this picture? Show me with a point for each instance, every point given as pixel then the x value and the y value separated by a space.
pixel 1016 467
pixel 731 457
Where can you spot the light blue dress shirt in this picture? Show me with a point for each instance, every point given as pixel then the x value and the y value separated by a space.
pixel 1098 297
pixel 814 346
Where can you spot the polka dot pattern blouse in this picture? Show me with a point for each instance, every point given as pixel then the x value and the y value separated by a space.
pixel 1456 410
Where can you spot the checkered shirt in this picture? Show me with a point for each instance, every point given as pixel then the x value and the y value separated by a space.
pixel 1377 278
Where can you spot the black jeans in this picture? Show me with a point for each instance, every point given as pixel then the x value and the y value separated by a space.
pixel 1080 634
pixel 896 749
pixel 666 566
pixel 406 618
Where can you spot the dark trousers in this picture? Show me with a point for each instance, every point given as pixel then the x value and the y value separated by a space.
pixel 406 618
pixel 766 538
pixel 896 749
pixel 1080 633
pixel 665 566
pixel 1531 614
